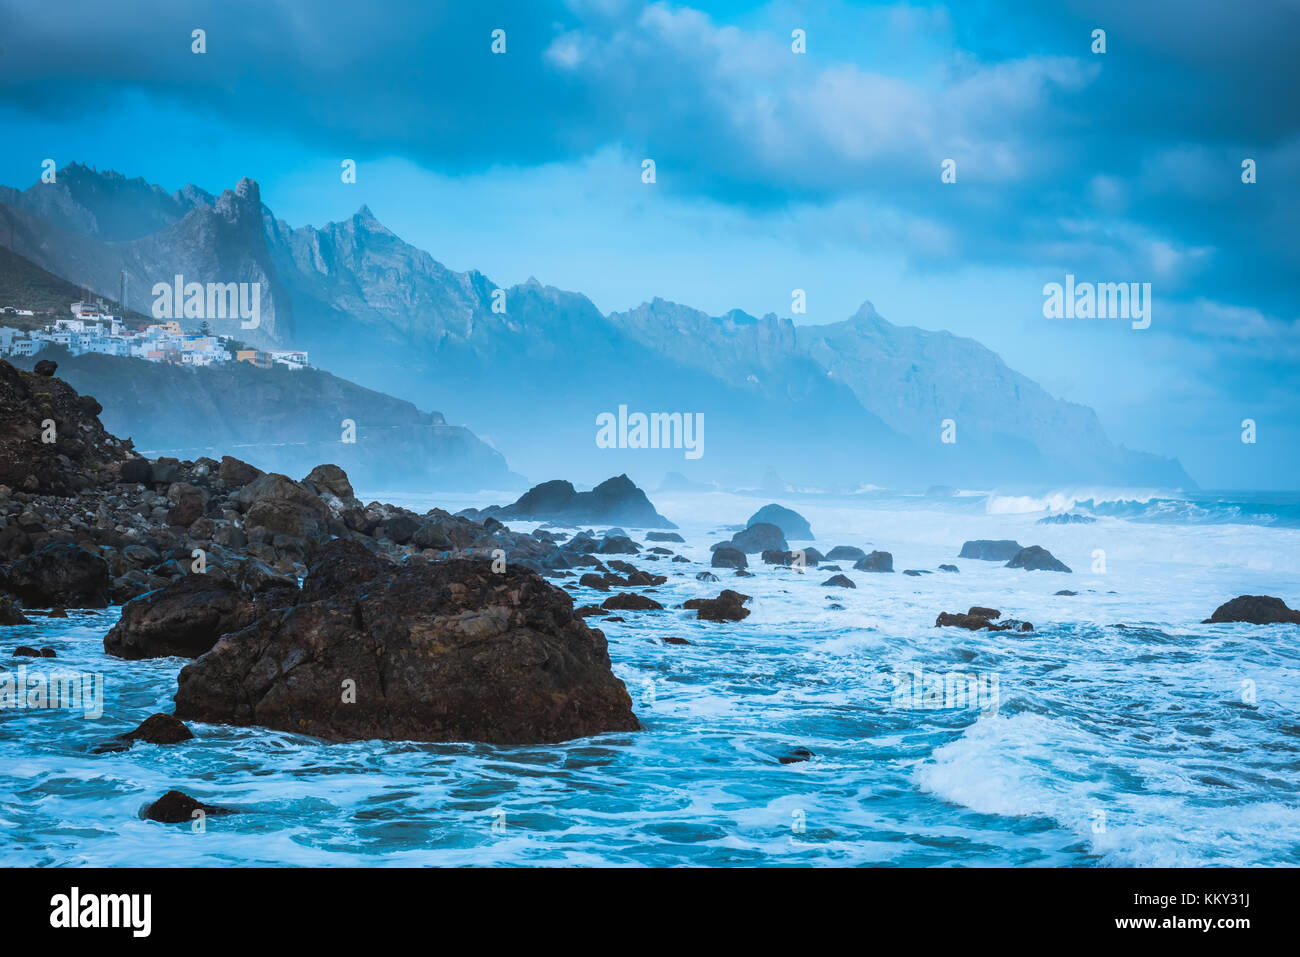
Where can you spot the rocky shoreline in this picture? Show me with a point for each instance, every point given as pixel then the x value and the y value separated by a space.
pixel 432 627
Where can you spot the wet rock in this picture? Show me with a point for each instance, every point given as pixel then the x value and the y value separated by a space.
pixel 434 651
pixel 706 577
pixel 1067 518
pixel 792 525
pixel 664 537
pixel 183 619
pixel 160 729
pixel 796 756
pixel 978 619
pixel 916 572
pixel 949 568
pixel 630 601
pixel 845 553
pixel 176 807
pixel 988 550
pixel 617 545
pixel 728 606
pixel 674 640
pixel 11 614
pixel 759 538
pixel 1065 591
pixel 616 501
pixel 1035 558
pixel 26 651
pixel 875 562
pixel 59 574
pixel 726 556
pixel 1254 610
pixel 839 581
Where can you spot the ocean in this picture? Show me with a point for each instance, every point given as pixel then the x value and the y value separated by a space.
pixel 1120 732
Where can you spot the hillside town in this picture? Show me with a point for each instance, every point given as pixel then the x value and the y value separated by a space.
pixel 91 328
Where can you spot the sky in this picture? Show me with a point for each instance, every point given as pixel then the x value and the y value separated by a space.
pixel 775 170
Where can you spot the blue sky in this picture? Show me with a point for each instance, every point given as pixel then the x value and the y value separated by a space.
pixel 775 170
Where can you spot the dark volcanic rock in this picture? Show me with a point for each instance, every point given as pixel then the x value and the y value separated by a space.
pixel 759 538
pixel 839 581
pixel 875 562
pixel 1035 558
pixel 45 367
pixel 59 574
pixel 728 606
pixel 1254 610
pixel 160 729
pixel 11 614
pixel 281 505
pixel 793 525
pixel 183 619
pixel 82 454
pixel 433 651
pixel 979 618
pixel 987 550
pixel 630 601
pixel 236 472
pixel 176 807
pixel 726 556
pixel 615 501
pixel 845 553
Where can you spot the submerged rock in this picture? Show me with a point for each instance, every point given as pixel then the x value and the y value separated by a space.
pixel 988 550
pixel 427 651
pixel 1035 558
pixel 1254 610
pixel 979 618
pixel 176 807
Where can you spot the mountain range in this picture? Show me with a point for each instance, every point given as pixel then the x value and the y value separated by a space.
pixel 862 401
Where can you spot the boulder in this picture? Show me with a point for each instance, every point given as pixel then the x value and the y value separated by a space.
pixel 630 601
pixel 980 619
pixel 987 550
pixel 1254 610
pixel 875 562
pixel 845 553
pixel 185 618
pixel 664 537
pixel 281 505
pixel 331 479
pixel 11 613
pixel 235 472
pixel 793 525
pixel 188 503
pixel 839 581
pixel 135 471
pixel 759 538
pixel 725 556
pixel 615 501
pixel 431 651
pixel 59 574
pixel 1035 558
pixel 45 367
pixel 728 606
pixel 176 807
pixel 160 729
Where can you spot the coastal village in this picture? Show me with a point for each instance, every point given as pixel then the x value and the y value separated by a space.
pixel 91 328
